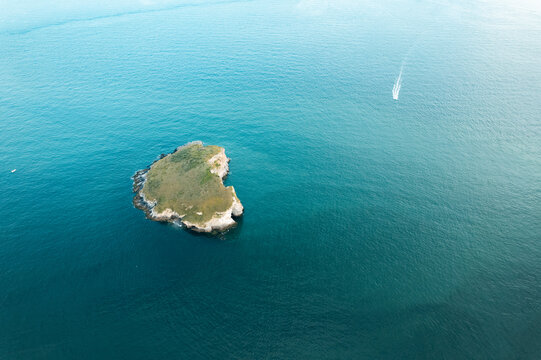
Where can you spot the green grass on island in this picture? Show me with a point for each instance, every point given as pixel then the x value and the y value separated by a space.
pixel 182 182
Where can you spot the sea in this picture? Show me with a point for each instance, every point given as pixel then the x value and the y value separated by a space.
pixel 387 154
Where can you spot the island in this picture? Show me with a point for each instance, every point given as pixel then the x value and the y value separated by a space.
pixel 186 186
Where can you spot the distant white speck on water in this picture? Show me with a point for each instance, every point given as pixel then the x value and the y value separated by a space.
pixel 13 170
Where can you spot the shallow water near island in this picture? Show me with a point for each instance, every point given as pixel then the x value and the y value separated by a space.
pixel 373 228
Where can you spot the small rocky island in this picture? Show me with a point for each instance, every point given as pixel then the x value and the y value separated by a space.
pixel 186 186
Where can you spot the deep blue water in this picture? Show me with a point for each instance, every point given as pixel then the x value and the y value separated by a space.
pixel 374 228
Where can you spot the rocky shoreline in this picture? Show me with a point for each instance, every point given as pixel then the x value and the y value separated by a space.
pixel 219 222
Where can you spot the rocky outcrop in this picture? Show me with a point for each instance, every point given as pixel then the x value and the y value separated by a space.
pixel 220 221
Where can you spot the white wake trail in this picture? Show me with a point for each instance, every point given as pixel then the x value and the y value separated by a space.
pixel 398 84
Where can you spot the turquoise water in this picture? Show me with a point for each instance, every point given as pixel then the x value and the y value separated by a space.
pixel 374 228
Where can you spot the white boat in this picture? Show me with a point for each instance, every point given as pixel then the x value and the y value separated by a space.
pixel 13 170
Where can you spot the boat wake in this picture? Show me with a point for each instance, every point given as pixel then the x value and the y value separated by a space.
pixel 397 85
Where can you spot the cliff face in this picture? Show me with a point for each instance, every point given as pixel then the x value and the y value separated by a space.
pixel 189 186
pixel 219 164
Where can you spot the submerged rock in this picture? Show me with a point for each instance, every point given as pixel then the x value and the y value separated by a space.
pixel 187 186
